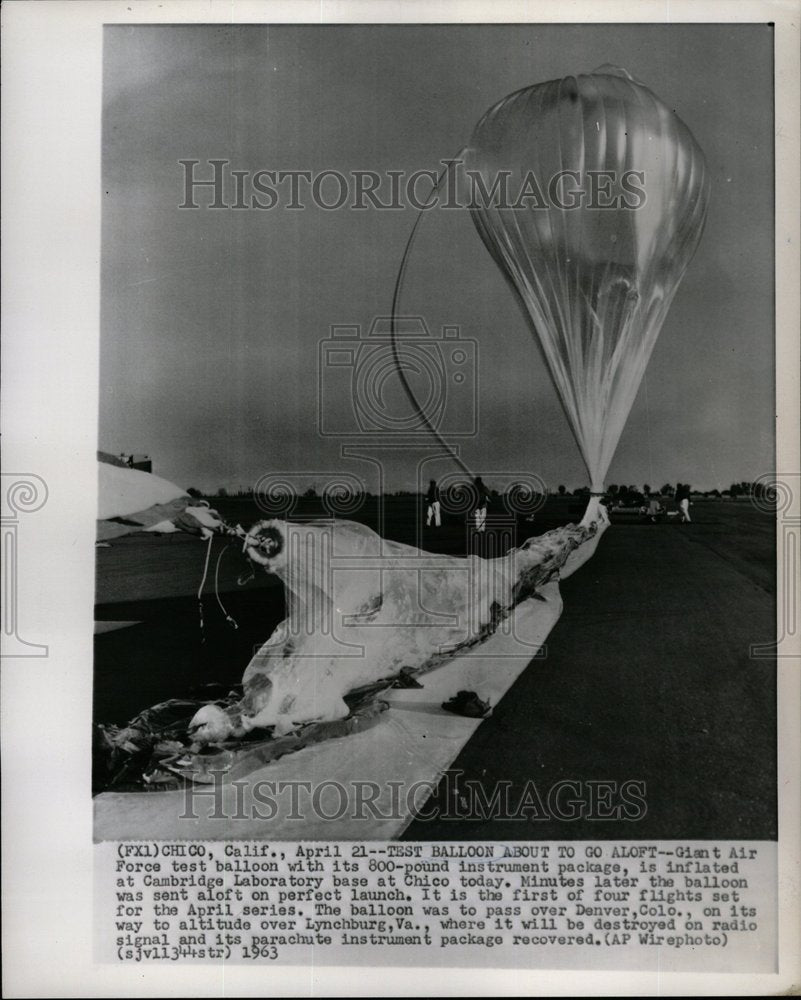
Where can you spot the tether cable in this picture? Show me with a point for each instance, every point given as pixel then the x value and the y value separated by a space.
pixel 393 327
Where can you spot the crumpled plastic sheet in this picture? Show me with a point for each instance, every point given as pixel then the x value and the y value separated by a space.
pixel 412 745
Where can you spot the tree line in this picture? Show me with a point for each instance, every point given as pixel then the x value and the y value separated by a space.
pixel 754 490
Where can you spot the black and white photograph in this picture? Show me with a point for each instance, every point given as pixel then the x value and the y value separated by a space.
pixel 439 547
pixel 436 431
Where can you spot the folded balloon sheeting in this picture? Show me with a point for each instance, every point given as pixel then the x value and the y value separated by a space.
pixel 129 500
pixel 597 259
pixel 362 609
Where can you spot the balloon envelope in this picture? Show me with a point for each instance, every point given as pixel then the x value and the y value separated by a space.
pixel 591 195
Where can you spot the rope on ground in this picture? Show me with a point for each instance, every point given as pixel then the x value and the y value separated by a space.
pixel 228 617
pixel 209 540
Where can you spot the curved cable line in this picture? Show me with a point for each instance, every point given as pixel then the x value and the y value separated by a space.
pixel 393 329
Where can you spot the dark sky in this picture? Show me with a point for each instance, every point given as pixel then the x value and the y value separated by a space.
pixel 212 320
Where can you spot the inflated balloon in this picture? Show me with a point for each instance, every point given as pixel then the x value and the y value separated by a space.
pixel 591 195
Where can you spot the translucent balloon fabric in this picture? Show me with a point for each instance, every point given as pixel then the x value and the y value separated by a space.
pixel 361 608
pixel 600 200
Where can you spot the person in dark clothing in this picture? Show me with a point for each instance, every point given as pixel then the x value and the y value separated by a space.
pixel 482 503
pixel 683 501
pixel 433 508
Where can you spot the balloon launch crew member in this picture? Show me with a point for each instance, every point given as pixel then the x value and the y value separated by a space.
pixel 683 501
pixel 433 512
pixel 482 503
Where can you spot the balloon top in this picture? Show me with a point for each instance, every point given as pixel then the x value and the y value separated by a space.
pixel 594 195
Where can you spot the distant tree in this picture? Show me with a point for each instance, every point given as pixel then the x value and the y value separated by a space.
pixel 561 490
pixel 612 489
pixel 667 490
pixel 582 491
pixel 310 493
pixel 194 493
pixel 222 492
pixel 734 490
pixel 633 489
pixel 765 493
pixel 646 490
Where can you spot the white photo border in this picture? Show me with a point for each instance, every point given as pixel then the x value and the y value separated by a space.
pixel 51 97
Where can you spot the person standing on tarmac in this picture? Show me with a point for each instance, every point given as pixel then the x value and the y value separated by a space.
pixel 683 501
pixel 482 503
pixel 433 508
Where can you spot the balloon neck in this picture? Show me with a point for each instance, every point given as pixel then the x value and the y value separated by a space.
pixel 593 512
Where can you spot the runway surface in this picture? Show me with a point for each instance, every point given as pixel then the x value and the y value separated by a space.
pixel 649 677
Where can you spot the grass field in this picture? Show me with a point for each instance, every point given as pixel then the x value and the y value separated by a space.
pixel 648 675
